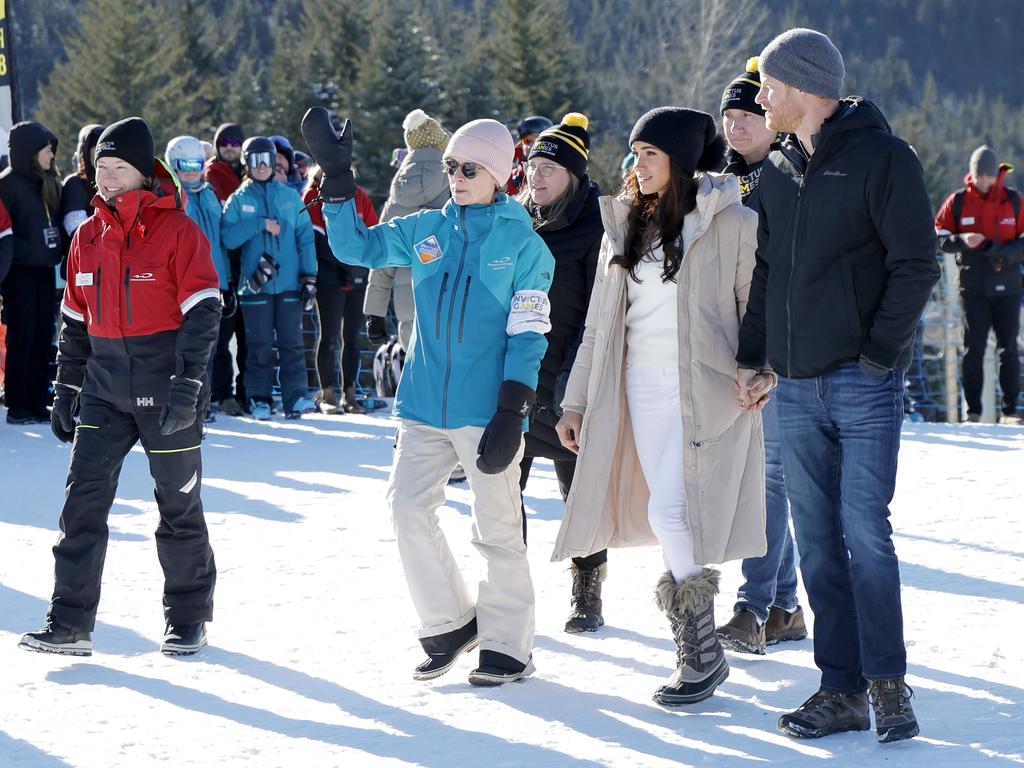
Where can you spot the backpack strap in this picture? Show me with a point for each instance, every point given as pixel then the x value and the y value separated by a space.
pixel 1015 201
pixel 958 207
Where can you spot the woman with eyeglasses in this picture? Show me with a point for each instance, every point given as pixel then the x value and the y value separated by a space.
pixel 562 201
pixel 480 278
pixel 666 456
pixel 267 221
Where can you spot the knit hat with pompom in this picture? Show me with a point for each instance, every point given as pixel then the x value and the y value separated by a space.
pixel 567 143
pixel 421 130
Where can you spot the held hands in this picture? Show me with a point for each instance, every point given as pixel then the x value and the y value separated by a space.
pixel 751 389
pixel 973 239
pixel 568 430
pixel 333 153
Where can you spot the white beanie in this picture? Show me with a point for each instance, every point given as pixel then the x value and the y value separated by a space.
pixel 184 148
pixel 485 142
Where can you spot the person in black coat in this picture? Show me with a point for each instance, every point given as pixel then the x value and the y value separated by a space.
pixel 79 188
pixel 30 190
pixel 563 203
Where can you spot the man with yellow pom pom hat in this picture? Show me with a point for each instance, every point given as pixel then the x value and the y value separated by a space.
pixel 743 123
pixel 562 202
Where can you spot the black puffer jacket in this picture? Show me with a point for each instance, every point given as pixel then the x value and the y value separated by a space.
pixel 845 251
pixel 574 241
pixel 21 192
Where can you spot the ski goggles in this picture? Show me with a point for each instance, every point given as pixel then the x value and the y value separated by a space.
pixel 469 170
pixel 260 159
pixel 188 164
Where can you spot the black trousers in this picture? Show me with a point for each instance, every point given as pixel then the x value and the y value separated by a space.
pixel 222 379
pixel 565 470
pixel 31 316
pixel 269 317
pixel 341 317
pixel 102 440
pixel 981 315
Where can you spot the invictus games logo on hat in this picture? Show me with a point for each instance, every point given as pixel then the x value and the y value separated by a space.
pixel 105 146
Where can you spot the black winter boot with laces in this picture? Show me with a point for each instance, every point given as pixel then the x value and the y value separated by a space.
pixel 825 713
pixel 183 639
pixel 700 660
pixel 586 613
pixel 57 638
pixel 894 716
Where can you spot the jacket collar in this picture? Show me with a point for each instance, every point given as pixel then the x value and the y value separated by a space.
pixel 998 191
pixel 126 210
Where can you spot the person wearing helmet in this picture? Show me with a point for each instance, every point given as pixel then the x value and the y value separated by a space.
pixel 528 130
pixel 285 170
pixel 266 220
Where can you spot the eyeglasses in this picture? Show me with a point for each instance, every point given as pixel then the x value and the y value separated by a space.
pixel 259 159
pixel 469 170
pixel 235 143
pixel 544 170
pixel 188 164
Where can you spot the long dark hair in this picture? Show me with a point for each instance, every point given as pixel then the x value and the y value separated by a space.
pixel 50 178
pixel 654 219
pixel 548 214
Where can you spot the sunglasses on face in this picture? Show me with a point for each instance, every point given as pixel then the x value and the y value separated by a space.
pixel 469 170
pixel 188 164
pixel 233 143
pixel 544 170
pixel 260 159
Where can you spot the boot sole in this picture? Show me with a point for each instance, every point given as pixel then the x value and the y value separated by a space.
pixel 740 646
pixel 786 639
pixel 574 629
pixel 435 673
pixel 898 733
pixel 678 700
pixel 800 732
pixel 79 648
pixel 487 680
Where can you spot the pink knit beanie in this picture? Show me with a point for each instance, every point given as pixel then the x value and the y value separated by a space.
pixel 487 143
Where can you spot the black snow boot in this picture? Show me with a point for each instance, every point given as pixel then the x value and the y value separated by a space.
pixel 586 599
pixel 825 713
pixel 499 668
pixel 443 650
pixel 894 716
pixel 183 639
pixel 700 659
pixel 56 638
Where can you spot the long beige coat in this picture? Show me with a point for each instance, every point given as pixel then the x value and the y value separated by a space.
pixel 723 456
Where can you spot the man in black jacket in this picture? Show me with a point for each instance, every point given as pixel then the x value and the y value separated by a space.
pixel 845 265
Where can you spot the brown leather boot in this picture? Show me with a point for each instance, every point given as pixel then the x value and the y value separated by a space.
pixel 743 633
pixel 349 402
pixel 783 626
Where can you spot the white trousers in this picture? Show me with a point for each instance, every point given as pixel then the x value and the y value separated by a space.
pixel 653 395
pixel 504 608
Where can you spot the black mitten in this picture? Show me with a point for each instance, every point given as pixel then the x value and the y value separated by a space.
pixel 504 432
pixel 376 330
pixel 333 153
pixel 62 417
pixel 308 292
pixel 230 299
pixel 179 411
pixel 266 271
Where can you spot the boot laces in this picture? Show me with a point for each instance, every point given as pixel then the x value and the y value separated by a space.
pixel 584 587
pixel 890 697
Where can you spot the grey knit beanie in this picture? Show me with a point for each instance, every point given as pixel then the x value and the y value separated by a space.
pixel 805 60
pixel 984 162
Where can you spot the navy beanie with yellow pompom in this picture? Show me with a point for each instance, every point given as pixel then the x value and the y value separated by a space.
pixel 741 92
pixel 567 143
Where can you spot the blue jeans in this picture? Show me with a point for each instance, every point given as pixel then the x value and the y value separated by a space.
pixel 771 580
pixel 841 438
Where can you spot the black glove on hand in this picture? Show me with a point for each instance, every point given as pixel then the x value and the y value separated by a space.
pixel 504 432
pixel 333 153
pixel 180 410
pixel 559 394
pixel 230 300
pixel 308 293
pixel 376 330
pixel 266 271
pixel 62 417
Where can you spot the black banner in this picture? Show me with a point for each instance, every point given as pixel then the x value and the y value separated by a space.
pixel 9 111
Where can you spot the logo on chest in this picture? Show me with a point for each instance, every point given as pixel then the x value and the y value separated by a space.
pixel 501 263
pixel 428 250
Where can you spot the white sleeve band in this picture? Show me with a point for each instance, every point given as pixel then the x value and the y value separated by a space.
pixel 942 233
pixel 6 232
pixel 71 313
pixel 530 313
pixel 73 221
pixel 195 298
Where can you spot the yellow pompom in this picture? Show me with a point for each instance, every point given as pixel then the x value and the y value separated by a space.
pixel 577 119
pixel 752 64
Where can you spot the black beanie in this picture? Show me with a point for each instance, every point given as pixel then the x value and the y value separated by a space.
pixel 130 140
pixel 228 131
pixel 568 144
pixel 741 91
pixel 688 136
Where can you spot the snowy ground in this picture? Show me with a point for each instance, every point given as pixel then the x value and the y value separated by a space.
pixel 312 647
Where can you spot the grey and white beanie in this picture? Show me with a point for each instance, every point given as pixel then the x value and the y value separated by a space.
pixel 806 60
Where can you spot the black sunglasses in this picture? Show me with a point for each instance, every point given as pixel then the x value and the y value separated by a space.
pixel 469 170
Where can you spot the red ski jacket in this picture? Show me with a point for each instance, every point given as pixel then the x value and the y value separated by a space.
pixel 222 178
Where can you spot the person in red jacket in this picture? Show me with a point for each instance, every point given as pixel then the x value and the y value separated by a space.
pixel 141 311
pixel 982 224
pixel 224 172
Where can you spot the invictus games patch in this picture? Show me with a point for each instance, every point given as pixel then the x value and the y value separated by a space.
pixel 748 182
pixel 428 250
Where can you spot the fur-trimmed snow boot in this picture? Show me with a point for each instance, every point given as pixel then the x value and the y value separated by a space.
pixel 700 660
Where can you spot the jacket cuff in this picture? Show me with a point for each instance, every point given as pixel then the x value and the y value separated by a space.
pixel 881 357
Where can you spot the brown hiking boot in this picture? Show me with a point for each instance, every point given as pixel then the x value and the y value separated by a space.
pixel 894 716
pixel 783 626
pixel 743 633
pixel 825 713
pixel 349 403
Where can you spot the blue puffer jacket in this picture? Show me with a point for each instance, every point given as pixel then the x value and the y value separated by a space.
pixel 480 277
pixel 204 208
pixel 243 227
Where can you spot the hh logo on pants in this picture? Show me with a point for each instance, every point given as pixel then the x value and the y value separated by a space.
pixel 142 402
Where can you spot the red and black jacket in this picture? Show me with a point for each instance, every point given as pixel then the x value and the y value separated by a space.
pixel 331 273
pixel 142 301
pixel 993 268
pixel 222 178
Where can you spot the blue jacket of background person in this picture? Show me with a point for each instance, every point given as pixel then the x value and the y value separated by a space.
pixel 204 208
pixel 243 227
pixel 480 277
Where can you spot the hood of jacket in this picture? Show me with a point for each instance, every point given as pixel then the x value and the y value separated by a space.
pixel 26 139
pixel 998 191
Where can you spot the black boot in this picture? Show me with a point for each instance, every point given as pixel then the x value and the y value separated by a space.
pixel 56 638
pixel 183 639
pixel 586 599
pixel 443 650
pixel 825 713
pixel 700 660
pixel 894 716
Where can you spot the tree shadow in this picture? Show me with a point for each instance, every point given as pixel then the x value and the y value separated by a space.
pixel 951 582
pixel 20 752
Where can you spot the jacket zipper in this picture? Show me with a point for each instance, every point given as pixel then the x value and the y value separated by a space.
pixel 451 314
pixel 789 287
pixel 128 293
pixel 99 294
pixel 465 300
pixel 440 303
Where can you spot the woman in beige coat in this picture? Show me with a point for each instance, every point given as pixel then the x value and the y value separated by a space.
pixel 666 454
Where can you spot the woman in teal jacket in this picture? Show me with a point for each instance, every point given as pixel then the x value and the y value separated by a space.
pixel 480 278
pixel 266 219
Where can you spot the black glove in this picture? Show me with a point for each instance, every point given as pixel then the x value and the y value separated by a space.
pixel 308 293
pixel 62 417
pixel 559 394
pixel 504 432
pixel 230 300
pixel 376 330
pixel 266 271
pixel 180 409
pixel 333 153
